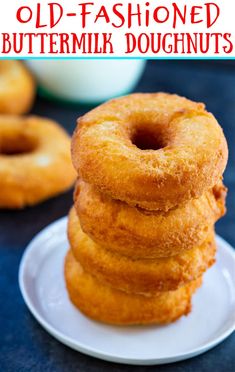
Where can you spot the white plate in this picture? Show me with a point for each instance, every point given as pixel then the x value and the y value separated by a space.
pixel 43 289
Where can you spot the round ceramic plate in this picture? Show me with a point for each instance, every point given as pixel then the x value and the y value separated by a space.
pixel 43 288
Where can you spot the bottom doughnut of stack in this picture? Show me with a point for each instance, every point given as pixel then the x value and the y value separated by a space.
pixel 109 305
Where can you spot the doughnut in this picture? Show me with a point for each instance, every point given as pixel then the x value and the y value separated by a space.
pixel 139 276
pixel 154 151
pixel 108 305
pixel 17 88
pixel 35 161
pixel 136 233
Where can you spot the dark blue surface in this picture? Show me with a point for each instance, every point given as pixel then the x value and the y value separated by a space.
pixel 24 345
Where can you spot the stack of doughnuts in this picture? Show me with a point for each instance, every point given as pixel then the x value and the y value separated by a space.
pixel 148 194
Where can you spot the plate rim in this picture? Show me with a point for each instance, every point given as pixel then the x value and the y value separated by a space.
pixel 79 346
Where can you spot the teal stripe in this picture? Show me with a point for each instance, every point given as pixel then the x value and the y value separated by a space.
pixel 144 58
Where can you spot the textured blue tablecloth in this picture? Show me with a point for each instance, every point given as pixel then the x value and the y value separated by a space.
pixel 24 345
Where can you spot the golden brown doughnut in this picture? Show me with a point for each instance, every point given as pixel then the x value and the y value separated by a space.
pixel 35 161
pixel 109 305
pixel 139 276
pixel 17 88
pixel 136 233
pixel 154 151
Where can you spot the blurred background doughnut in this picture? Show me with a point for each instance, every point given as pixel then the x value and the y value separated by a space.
pixel 35 161
pixel 17 88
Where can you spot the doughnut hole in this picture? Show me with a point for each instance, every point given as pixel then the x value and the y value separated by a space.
pixel 148 139
pixel 17 144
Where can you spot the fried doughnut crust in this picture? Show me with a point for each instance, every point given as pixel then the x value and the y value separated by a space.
pixel 139 276
pixel 136 233
pixel 154 151
pixel 104 304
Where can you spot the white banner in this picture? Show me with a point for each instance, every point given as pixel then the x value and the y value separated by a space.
pixel 117 28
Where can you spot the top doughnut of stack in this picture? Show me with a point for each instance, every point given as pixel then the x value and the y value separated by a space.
pixel 149 192
pixel 154 151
